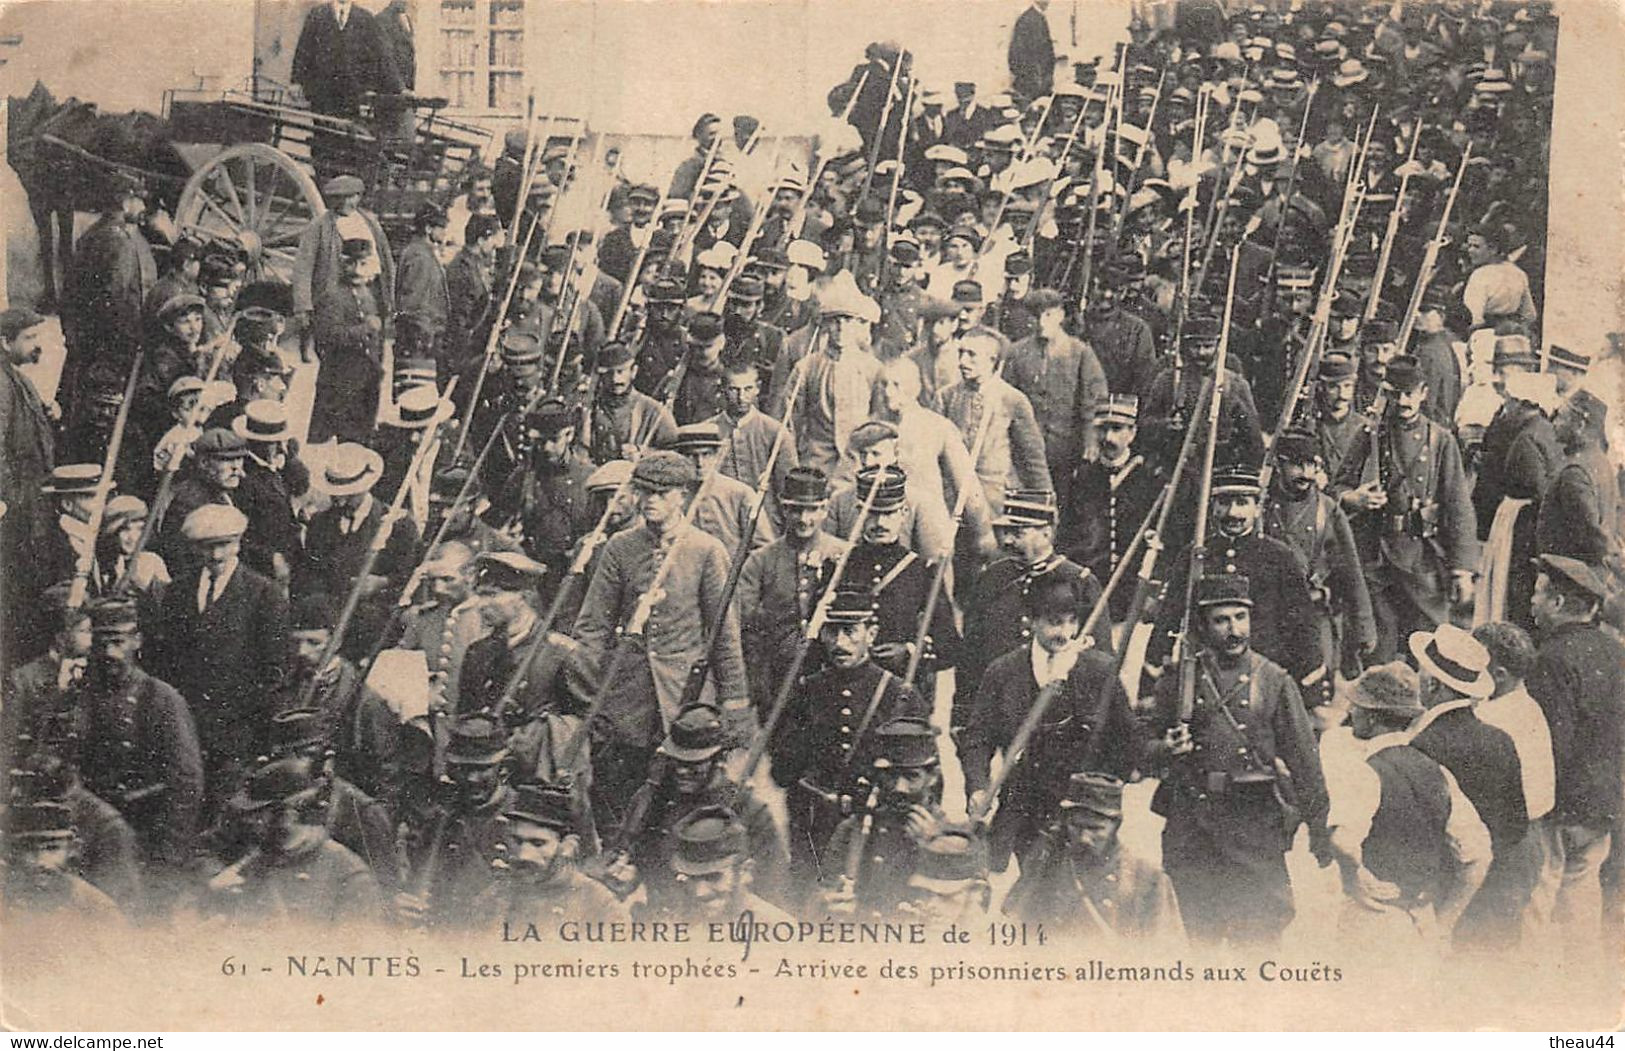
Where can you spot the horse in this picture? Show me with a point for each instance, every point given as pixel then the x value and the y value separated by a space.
pixel 60 180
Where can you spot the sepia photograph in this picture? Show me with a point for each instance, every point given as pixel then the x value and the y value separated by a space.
pixel 820 515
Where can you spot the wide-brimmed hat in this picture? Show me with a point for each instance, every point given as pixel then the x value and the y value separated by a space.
pixel 695 735
pixel 1388 687
pixel 263 420
pixel 1455 658
pixel 351 469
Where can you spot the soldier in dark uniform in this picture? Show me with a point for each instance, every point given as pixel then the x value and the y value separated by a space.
pixel 1308 521
pixel 1110 497
pixel 875 850
pixel 1087 882
pixel 622 419
pixel 746 336
pixel 686 776
pixel 294 872
pixel 447 845
pixel 1176 398
pixel 1087 723
pixel 903 303
pixel 1245 746
pixel 1580 511
pixel 693 389
pixel 1412 515
pixel 900 580
pixel 544 498
pixel 460 507
pixel 137 745
pixel 1339 426
pixel 539 879
pixel 997 619
pixel 1122 341
pixel 1283 621
pixel 822 744
pixel 716 873
pixel 506 393
pixel 664 338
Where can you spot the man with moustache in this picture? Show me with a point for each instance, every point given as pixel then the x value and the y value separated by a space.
pixel 1312 524
pixel 445 626
pixel 539 879
pixel 622 420
pixel 1110 497
pixel 1246 739
pixel 715 873
pixel 1088 883
pixel 1339 427
pixel 823 743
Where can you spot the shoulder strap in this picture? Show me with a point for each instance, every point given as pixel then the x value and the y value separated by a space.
pixel 896 571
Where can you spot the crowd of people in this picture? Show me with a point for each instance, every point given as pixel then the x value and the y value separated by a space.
pixel 1183 416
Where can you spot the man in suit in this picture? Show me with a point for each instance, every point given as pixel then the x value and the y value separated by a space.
pixel 397 31
pixel 222 646
pixel 1012 453
pixel 271 545
pixel 26 457
pixel 108 282
pixel 1580 512
pixel 1032 53
pixel 422 286
pixel 340 57
pixel 214 478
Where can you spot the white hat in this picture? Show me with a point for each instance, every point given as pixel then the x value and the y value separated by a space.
pixel 213 522
pixel 263 420
pixel 946 153
pixel 719 256
pixel 1455 658
pixel 806 253
pixel 350 470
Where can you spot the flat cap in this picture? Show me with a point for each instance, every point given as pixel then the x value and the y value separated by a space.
pixel 662 470
pixel 214 522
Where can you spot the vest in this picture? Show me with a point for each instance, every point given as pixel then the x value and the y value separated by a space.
pixel 1406 846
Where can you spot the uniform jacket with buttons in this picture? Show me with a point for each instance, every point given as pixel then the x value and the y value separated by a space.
pixel 1132 897
pixel 901 602
pixel 1338 438
pixel 826 734
pixel 635 419
pixel 1126 350
pixel 1269 711
pixel 1105 506
pixel 648 683
pixel 747 444
pixel 443 634
pixel 1420 461
pixel 135 735
pixel 1283 617
pixel 886 857
pixel 778 588
pixel 1169 410
pixel 653 850
pixel 321 885
pixel 550 504
pixel 1318 532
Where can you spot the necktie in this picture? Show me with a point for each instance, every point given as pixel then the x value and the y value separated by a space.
pixel 205 591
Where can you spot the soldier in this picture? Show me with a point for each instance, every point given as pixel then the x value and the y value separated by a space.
pixel 875 850
pixel 1282 626
pixel 927 530
pixel 620 421
pixel 747 337
pixel 458 506
pixel 1087 721
pixel 1110 497
pixel 664 337
pixel 35 689
pixel 749 435
pixel 995 603
pixel 107 854
pixel 646 670
pixel 900 580
pixel 38 877
pixel 1339 427
pixel 137 743
pixel 358 725
pixel 1088 883
pixel 445 626
pixel 725 507
pixel 1315 528
pixel 1175 398
pixel 693 389
pixel 1242 771
pixel 1122 341
pixel 901 304
pixel 1580 511
pixel 1012 453
pixel 823 742
pixel 715 874
pixel 556 687
pixel 950 881
pixel 540 877
pixel 544 499
pixel 687 776
pixel 1411 513
pixel 448 849
pixel 223 646
pixel 295 871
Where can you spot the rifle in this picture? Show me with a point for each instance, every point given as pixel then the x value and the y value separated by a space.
pixel 885 119
pixel 104 487
pixel 686 238
pixel 852 865
pixel 1083 641
pixel 824 156
pixel 1139 161
pixel 489 357
pixel 1187 652
pixel 896 180
pixel 1203 101
pixel 1430 258
pixel 1291 184
pixel 983 426
pixel 1388 236
pixel 375 548
pixel 1049 187
pixel 1088 243
pixel 815 624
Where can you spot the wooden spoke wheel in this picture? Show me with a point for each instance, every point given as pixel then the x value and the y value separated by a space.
pixel 255 196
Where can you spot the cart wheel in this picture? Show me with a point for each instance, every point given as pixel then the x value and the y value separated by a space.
pixel 255 196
